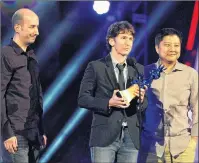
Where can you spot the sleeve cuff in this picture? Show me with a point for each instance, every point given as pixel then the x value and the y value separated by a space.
pixel 7 132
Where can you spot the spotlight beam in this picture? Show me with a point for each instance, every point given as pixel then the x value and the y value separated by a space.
pixel 70 71
pixel 53 42
pixel 39 8
pixel 68 128
pixel 154 20
pixel 80 113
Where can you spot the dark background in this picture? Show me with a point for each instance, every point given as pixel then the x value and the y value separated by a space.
pixel 82 23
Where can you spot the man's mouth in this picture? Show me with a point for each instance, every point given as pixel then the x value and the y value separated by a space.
pixel 172 54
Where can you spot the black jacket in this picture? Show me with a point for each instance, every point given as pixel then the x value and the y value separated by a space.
pixel 96 89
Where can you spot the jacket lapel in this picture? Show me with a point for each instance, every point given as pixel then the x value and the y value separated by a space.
pixel 132 75
pixel 110 72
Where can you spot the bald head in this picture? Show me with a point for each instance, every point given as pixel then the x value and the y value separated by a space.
pixel 25 23
pixel 21 14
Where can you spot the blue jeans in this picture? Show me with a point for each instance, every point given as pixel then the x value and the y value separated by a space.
pixel 24 154
pixel 122 150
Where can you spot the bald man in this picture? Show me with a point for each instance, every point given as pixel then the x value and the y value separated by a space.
pixel 21 94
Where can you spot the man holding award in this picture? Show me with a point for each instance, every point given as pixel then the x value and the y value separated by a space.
pixel 115 126
pixel 167 135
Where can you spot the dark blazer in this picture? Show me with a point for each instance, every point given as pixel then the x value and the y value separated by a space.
pixel 97 86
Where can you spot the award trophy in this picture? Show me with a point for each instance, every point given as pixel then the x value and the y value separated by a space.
pixel 154 74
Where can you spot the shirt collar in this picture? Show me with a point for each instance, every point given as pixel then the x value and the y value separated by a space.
pixel 178 66
pixel 115 62
pixel 19 50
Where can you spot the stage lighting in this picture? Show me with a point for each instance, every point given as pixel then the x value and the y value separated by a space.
pixel 101 7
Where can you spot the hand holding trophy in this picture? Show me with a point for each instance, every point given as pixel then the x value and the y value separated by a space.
pixel 129 94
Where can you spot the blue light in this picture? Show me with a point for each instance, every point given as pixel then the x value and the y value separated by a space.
pixel 55 39
pixel 60 84
pixel 101 7
pixel 73 122
pixel 154 20
pixel 70 71
pixel 40 9
pixel 196 60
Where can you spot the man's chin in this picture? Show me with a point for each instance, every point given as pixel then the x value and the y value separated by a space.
pixel 172 61
pixel 31 42
pixel 125 54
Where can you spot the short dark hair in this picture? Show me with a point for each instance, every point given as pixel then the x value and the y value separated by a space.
pixel 116 28
pixel 16 18
pixel 165 32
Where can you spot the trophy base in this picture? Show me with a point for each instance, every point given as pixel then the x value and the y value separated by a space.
pixel 126 94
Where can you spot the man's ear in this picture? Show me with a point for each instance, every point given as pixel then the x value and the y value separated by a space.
pixel 157 49
pixel 17 28
pixel 111 41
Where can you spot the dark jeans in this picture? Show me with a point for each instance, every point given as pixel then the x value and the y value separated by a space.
pixel 147 158
pixel 25 153
pixel 122 150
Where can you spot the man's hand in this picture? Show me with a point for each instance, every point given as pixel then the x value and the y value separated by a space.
pixel 45 140
pixel 117 101
pixel 143 91
pixel 11 144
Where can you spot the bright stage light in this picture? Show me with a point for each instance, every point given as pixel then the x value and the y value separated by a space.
pixel 101 7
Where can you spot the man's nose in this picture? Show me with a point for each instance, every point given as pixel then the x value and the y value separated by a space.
pixel 37 31
pixel 172 48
